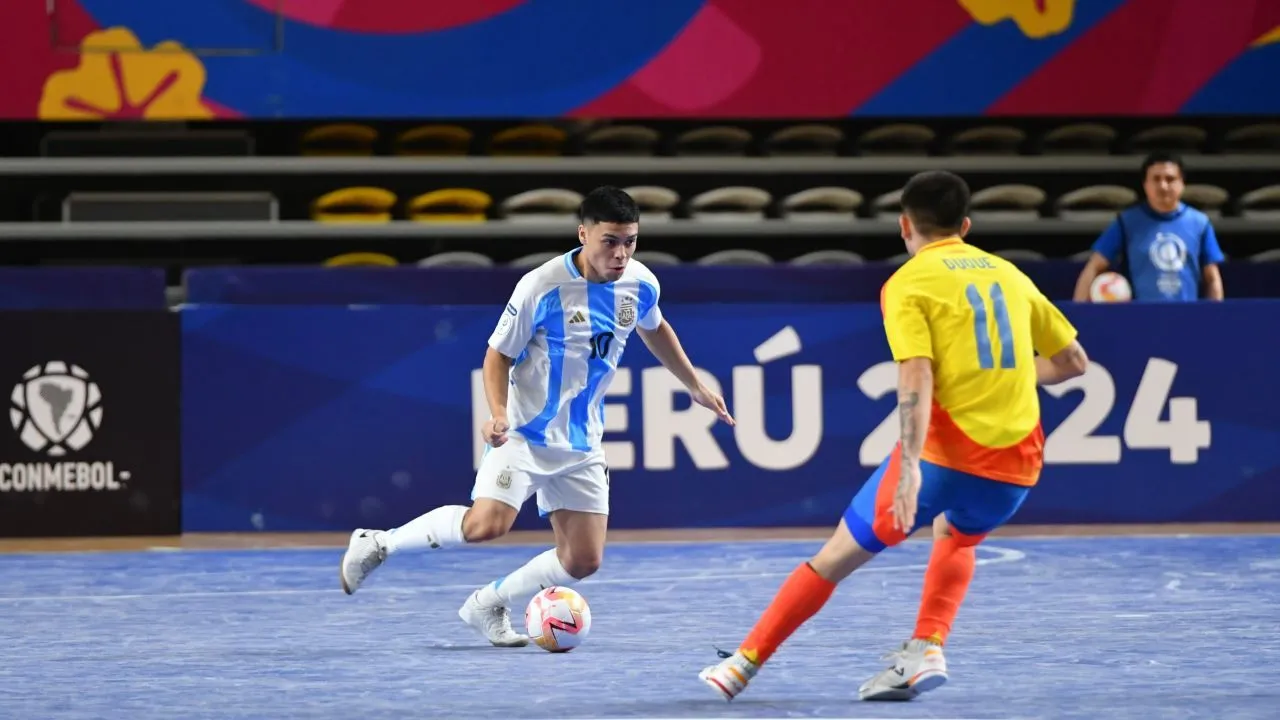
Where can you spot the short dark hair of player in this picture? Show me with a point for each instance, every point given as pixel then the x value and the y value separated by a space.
pixel 608 204
pixel 1159 157
pixel 937 202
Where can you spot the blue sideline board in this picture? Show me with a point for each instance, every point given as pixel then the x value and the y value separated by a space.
pixel 333 417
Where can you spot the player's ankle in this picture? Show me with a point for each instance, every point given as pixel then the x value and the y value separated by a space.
pixel 932 639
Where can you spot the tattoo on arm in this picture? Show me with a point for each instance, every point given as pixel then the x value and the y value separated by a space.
pixel 907 403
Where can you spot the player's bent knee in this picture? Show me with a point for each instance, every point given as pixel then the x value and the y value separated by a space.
pixel 487 520
pixel 483 530
pixel 581 563
pixel 841 555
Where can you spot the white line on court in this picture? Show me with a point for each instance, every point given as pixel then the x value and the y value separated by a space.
pixel 1003 555
pixel 339 548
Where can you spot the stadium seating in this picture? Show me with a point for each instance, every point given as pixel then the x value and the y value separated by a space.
pixel 434 141
pixel 630 140
pixel 339 139
pixel 354 204
pixel 1255 138
pixel 361 259
pixel 750 191
pixel 1261 204
pixel 449 205
pixel 821 203
pixel 535 140
pixel 456 259
pixel 811 140
pixel 827 257
pixel 1086 138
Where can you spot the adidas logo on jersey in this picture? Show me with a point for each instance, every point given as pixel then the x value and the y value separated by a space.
pixel 577 318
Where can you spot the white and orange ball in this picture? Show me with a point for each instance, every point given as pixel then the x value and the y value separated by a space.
pixel 1110 287
pixel 558 619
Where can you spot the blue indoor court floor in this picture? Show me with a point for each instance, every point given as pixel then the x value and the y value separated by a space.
pixel 1116 627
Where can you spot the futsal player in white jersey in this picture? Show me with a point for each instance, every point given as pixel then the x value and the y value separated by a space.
pixel 550 360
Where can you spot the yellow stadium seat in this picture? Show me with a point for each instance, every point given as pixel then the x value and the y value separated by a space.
pixel 534 140
pixel 450 205
pixel 434 140
pixel 361 259
pixel 339 139
pixel 354 204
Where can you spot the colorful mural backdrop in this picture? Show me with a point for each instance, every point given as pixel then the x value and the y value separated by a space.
pixel 86 59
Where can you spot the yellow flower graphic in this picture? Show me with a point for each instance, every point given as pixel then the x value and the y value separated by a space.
pixel 1268 38
pixel 1035 18
pixel 120 80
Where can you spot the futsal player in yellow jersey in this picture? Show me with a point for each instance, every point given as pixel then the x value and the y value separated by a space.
pixel 972 336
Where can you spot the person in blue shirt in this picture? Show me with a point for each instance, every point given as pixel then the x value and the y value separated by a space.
pixel 1167 250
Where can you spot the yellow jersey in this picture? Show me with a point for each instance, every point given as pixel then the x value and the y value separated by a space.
pixel 981 321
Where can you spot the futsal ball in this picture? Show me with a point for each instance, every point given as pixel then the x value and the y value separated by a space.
pixel 558 619
pixel 1110 287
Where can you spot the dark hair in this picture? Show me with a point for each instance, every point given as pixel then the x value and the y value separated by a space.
pixel 1161 156
pixel 608 204
pixel 937 202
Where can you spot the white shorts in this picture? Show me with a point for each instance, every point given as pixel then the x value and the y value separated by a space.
pixel 563 479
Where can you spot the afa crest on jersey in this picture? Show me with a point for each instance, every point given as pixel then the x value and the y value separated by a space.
pixel 626 313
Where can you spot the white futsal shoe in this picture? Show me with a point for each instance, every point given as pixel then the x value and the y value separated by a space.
pixel 917 667
pixel 365 552
pixel 491 621
pixel 730 677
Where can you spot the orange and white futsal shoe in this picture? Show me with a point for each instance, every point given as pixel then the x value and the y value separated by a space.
pixel 917 667
pixel 731 676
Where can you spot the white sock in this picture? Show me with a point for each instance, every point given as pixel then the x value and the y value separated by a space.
pixel 541 572
pixel 440 528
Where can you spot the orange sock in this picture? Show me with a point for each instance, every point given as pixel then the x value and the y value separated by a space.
pixel 946 581
pixel 800 598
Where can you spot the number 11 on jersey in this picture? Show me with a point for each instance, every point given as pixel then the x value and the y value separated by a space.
pixel 986 360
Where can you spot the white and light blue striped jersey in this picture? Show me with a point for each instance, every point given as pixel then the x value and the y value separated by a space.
pixel 566 336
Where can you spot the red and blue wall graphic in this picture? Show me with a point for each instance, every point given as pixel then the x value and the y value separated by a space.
pixel 157 59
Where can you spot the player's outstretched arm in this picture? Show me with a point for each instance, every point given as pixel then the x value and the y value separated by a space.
pixel 1070 362
pixel 915 403
pixel 665 346
pixel 496 373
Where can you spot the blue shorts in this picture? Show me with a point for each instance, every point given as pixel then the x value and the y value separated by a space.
pixel 973 505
